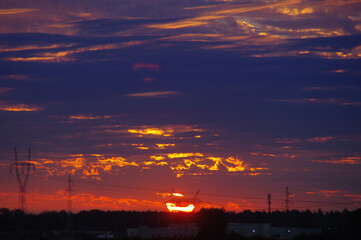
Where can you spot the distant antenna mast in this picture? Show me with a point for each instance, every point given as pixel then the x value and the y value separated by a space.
pixel 69 207
pixel 22 170
pixel 70 193
pixel 269 202
pixel 196 195
pixel 287 199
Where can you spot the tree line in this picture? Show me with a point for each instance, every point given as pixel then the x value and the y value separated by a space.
pixel 334 223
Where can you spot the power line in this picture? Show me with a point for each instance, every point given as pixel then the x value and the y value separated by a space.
pixel 223 196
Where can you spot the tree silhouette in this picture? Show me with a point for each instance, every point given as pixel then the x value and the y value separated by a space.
pixel 212 223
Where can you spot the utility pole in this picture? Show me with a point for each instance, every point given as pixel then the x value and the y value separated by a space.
pixel 69 207
pixel 269 202
pixel 22 171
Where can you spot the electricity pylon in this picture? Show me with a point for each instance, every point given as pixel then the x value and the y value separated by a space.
pixel 22 170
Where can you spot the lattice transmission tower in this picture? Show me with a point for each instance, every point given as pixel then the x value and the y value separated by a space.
pixel 287 200
pixel 22 171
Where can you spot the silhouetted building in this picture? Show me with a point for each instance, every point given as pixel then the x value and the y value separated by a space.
pixel 249 230
pixel 290 233
pixel 242 229
pixel 175 230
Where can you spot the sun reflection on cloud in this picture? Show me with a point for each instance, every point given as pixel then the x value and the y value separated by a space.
pixel 162 131
pixel 95 165
pixel 295 11
pixel 164 145
pixel 69 55
pixel 183 155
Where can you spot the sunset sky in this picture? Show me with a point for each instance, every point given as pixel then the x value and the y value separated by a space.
pixel 138 97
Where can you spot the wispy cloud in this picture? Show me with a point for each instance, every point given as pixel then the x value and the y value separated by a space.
pixel 320 139
pixel 164 131
pixel 34 47
pixel 15 11
pixel 4 89
pixel 88 117
pixel 338 101
pixel 295 11
pixel 345 160
pixel 223 12
pixel 14 77
pixel 142 65
pixel 69 54
pixel 154 94
pixel 320 89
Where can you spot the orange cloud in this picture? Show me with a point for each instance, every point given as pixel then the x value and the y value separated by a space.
pixel 35 47
pixel 223 12
pixel 152 131
pixel 18 107
pixel 68 55
pixel 295 11
pixel 95 165
pixel 164 145
pixel 234 165
pixel 329 193
pixel 140 146
pixel 354 53
pixel 164 131
pixel 85 165
pixel 338 71
pixel 157 158
pixel 154 94
pixel 184 155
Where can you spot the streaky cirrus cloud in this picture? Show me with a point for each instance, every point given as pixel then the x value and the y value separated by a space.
pixel 345 160
pixel 142 65
pixel 320 139
pixel 337 101
pixel 154 94
pixel 15 11
pixel 88 117
pixel 4 89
